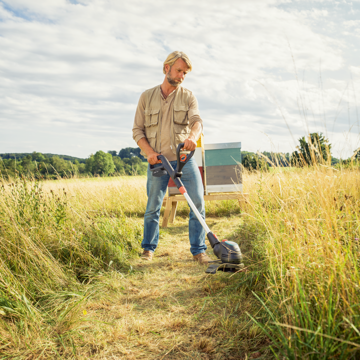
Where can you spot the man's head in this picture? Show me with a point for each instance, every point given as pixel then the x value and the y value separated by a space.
pixel 176 66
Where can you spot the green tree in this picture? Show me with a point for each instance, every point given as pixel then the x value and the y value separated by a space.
pixel 13 167
pixel 254 162
pixel 57 166
pixel 314 150
pixel 103 163
pixel 44 167
pixel 278 159
pixel 126 153
pixel 89 164
pixel 356 155
pixel 119 164
pixel 28 166
pixel 112 152
pixel 82 168
pixel 132 161
pixel 130 152
pixel 79 167
pixel 134 166
pixel 38 157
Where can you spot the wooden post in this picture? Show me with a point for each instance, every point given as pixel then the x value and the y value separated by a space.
pixel 173 211
pixel 167 211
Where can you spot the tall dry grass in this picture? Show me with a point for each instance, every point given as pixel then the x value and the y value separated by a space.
pixel 56 238
pixel 305 228
pixel 59 239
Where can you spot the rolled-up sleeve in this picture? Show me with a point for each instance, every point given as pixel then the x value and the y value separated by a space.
pixel 138 127
pixel 194 113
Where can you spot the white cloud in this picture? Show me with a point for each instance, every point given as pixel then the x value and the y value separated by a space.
pixel 71 72
pixel 355 70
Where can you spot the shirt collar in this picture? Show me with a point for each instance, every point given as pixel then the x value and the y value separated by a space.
pixel 171 94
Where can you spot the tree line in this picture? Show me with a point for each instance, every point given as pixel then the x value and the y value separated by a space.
pixel 127 161
pixel 313 149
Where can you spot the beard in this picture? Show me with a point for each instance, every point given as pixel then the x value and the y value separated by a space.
pixel 172 81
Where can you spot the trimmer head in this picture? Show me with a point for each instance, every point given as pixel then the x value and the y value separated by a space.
pixel 228 253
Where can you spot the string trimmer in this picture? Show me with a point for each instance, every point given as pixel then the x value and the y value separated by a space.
pixel 228 252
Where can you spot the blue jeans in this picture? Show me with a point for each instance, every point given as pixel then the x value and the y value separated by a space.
pixel 156 189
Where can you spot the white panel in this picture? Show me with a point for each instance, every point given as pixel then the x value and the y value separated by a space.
pixel 224 188
pixel 230 145
pixel 198 156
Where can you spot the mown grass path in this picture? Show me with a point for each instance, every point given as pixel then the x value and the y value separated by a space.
pixel 170 309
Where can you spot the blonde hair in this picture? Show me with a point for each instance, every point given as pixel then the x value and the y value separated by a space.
pixel 170 60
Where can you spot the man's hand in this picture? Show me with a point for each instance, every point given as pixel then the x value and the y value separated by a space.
pixel 190 144
pixel 147 149
pixel 152 158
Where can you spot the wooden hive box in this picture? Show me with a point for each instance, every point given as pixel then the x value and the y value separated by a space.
pixel 199 158
pixel 222 169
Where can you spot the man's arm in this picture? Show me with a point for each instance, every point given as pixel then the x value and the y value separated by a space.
pixel 196 124
pixel 190 142
pixel 139 133
pixel 147 149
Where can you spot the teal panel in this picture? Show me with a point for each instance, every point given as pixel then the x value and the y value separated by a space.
pixel 222 157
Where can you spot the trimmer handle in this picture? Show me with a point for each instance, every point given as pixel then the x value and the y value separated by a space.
pixel 182 159
pixel 159 171
pixel 166 167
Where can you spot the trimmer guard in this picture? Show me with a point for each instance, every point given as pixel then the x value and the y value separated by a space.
pixel 218 265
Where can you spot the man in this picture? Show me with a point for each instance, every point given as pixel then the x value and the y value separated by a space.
pixel 166 116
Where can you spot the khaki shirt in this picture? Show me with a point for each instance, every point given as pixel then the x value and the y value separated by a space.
pixel 164 123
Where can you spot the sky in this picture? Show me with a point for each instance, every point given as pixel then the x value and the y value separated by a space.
pixel 265 72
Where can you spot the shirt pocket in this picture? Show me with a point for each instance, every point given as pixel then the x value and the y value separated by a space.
pixel 181 115
pixel 151 117
pixel 151 137
pixel 181 133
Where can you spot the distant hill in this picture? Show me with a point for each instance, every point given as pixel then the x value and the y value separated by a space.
pixel 19 156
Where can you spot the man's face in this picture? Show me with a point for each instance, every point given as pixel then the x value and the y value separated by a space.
pixel 175 74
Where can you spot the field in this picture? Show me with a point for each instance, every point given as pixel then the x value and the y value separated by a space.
pixel 72 284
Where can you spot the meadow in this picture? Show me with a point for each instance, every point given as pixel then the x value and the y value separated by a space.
pixel 72 284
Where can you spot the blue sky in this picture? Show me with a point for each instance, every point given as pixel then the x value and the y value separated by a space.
pixel 265 72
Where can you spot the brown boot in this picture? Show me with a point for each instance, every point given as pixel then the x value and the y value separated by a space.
pixel 202 258
pixel 147 255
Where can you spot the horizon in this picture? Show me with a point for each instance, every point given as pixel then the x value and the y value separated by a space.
pixel 118 151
